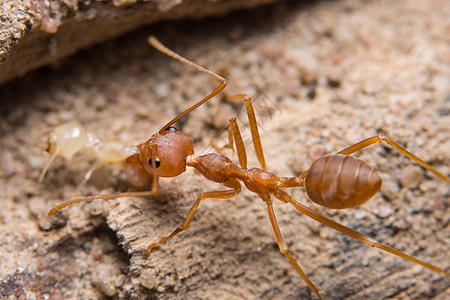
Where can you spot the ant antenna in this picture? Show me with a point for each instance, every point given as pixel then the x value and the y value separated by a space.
pixel 157 44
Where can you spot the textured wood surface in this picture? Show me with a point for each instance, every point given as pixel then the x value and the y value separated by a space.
pixel 322 74
pixel 34 33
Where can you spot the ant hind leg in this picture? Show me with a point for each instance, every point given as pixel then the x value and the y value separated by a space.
pixel 378 139
pixel 282 243
pixel 352 233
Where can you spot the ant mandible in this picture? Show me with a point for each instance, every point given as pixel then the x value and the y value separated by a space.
pixel 336 181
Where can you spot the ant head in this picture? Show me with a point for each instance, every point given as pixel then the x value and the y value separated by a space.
pixel 169 149
pixel 67 139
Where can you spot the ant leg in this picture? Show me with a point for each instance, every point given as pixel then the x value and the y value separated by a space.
pixel 352 233
pixel 255 133
pixel 231 183
pixel 152 192
pixel 254 129
pixel 230 139
pixel 157 44
pixel 378 139
pixel 282 243
pixel 236 133
pixel 103 197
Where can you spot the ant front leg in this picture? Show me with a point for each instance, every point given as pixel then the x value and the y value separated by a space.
pixel 57 208
pixel 231 183
pixel 136 174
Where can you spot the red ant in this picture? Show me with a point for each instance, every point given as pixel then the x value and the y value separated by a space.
pixel 335 181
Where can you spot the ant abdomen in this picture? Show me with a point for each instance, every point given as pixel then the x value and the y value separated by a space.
pixel 341 181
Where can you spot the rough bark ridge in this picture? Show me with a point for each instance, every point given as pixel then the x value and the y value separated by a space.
pixel 34 33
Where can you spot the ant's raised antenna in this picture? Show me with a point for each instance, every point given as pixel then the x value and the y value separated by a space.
pixel 157 44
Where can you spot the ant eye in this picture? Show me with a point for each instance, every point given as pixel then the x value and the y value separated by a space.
pixel 157 162
pixel 171 128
